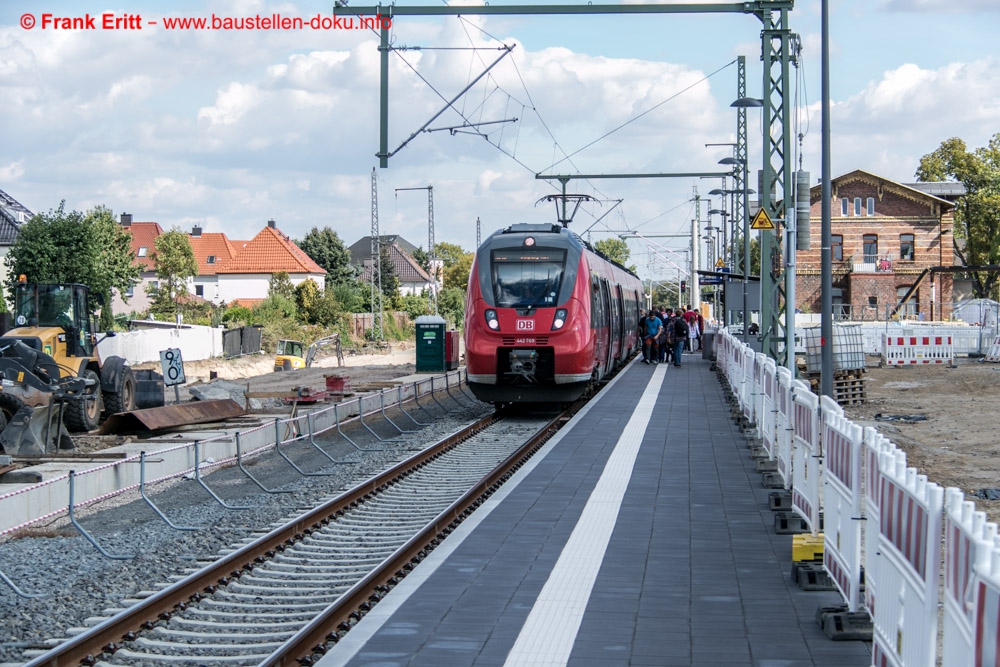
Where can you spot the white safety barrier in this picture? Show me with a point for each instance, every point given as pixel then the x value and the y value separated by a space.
pixel 758 390
pixel 875 446
pixel 833 466
pixel 783 426
pixel 806 455
pixel 994 352
pixel 969 540
pixel 908 566
pixel 842 496
pixel 906 350
pixel 747 388
pixel 768 409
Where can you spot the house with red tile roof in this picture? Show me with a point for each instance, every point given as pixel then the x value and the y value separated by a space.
pixel 143 244
pixel 247 275
pixel 212 250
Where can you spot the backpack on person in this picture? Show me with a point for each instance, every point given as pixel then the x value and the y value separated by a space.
pixel 681 330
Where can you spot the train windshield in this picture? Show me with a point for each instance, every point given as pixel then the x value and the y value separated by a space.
pixel 524 278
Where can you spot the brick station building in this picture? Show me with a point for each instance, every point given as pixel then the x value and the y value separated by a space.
pixel 884 234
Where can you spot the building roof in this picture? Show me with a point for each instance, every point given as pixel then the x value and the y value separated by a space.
pixel 144 243
pixel 405 267
pixel 12 215
pixel 246 303
pixel 362 249
pixel 904 187
pixel 212 250
pixel 270 252
pixel 945 189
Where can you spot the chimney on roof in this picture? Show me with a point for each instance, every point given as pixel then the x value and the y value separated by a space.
pixel 196 231
pixel 126 219
pixel 272 224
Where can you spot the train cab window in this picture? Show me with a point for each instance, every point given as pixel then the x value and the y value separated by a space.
pixel 524 278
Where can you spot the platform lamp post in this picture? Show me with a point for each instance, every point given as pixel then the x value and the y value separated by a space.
pixel 745 228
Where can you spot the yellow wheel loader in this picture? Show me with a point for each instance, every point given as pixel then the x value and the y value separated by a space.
pixel 52 378
pixel 290 356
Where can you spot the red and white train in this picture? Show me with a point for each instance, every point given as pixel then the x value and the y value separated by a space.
pixel 545 316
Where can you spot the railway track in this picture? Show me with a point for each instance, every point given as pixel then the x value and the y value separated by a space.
pixel 282 596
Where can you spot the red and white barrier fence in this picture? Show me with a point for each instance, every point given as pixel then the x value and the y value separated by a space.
pixel 993 354
pixel 850 474
pixel 907 350
pixel 842 500
pixel 908 566
pixel 783 426
pixel 806 455
pixel 969 541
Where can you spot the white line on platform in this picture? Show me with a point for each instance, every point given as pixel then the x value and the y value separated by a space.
pixel 549 633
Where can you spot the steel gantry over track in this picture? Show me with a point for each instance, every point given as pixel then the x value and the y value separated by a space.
pixel 777 45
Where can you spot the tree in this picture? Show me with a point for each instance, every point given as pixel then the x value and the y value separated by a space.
pixel 449 253
pixel 977 214
pixel 390 282
pixel 326 249
pixel 616 250
pixel 457 274
pixel 422 259
pixel 60 247
pixel 174 259
pixel 307 297
pixel 281 285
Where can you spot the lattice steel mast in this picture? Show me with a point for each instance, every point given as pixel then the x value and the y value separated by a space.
pixel 378 330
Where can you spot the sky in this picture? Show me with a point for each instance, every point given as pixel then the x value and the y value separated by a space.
pixel 227 129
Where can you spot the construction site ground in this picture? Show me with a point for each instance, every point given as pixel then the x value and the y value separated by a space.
pixel 958 444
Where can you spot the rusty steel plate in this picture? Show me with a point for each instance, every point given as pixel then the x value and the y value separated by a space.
pixel 168 416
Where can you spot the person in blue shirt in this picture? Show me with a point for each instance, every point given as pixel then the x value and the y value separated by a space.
pixel 652 329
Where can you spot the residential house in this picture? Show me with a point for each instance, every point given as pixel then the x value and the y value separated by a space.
pixel 143 244
pixel 12 215
pixel 248 274
pixel 884 235
pixel 412 278
pixel 212 250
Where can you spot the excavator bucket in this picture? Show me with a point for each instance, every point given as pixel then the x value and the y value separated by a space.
pixel 35 432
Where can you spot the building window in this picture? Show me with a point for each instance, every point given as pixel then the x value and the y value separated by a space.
pixel 211 259
pixel 857 206
pixel 837 247
pixel 843 207
pixel 870 248
pixel 130 292
pixel 199 290
pixel 906 247
pixel 871 206
pixel 143 251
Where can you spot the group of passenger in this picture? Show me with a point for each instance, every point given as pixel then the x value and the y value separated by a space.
pixel 666 333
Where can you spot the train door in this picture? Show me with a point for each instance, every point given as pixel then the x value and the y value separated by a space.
pixel 606 326
pixel 620 320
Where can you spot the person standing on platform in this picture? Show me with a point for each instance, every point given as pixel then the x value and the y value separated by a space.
pixel 653 326
pixel 690 317
pixel 694 335
pixel 662 338
pixel 681 332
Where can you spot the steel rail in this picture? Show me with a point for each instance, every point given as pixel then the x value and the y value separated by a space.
pixel 86 647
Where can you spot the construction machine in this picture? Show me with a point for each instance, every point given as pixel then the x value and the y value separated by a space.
pixel 51 378
pixel 290 354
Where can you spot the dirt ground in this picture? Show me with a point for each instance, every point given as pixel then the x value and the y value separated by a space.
pixel 959 442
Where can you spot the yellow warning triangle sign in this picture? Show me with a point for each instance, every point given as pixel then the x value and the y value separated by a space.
pixel 719 264
pixel 762 221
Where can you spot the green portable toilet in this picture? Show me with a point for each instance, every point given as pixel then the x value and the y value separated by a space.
pixel 430 344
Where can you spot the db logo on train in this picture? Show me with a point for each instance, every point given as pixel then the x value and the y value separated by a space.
pixel 525 325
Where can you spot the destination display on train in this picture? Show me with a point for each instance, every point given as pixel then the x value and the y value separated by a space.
pixel 521 255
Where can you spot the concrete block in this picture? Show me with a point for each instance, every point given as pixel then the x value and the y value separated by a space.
pixel 807 548
pixel 811 576
pixel 841 625
pixel 780 501
pixel 772 480
pixel 766 465
pixel 789 523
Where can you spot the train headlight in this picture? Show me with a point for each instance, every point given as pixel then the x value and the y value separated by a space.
pixel 491 320
pixel 559 321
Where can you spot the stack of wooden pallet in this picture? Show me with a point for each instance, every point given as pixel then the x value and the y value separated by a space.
pixel 848 386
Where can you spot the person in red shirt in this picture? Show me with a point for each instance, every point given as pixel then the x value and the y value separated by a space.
pixel 690 315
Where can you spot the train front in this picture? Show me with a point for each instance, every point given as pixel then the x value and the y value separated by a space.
pixel 527 317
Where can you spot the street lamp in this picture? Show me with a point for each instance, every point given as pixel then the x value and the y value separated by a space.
pixel 739 162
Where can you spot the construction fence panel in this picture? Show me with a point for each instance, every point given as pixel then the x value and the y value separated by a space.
pixel 993 354
pixel 767 411
pixel 758 390
pixel 875 445
pixel 746 384
pixel 986 645
pixel 907 349
pixel 908 568
pixel 783 425
pixel 842 500
pixel 968 544
pixel 806 461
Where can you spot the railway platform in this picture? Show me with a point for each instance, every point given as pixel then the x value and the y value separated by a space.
pixel 639 535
